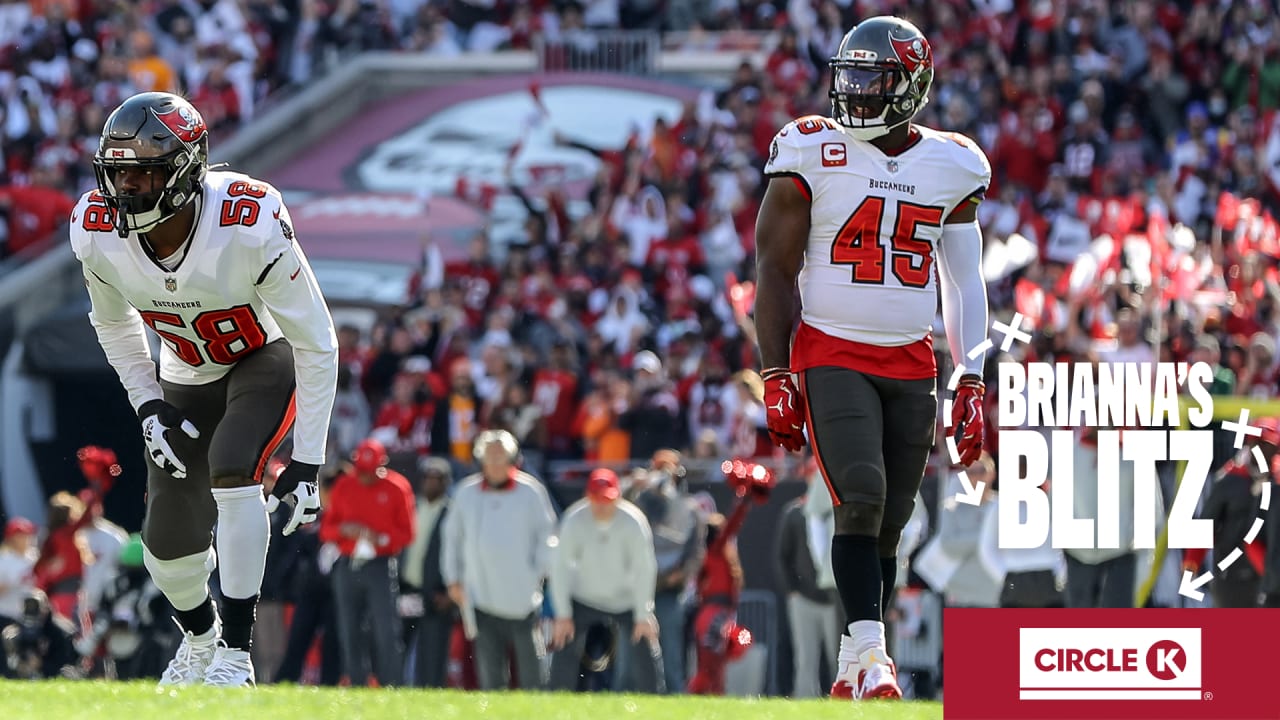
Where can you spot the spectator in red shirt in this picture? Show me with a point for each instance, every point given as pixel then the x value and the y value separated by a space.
pixel 717 633
pixel 555 389
pixel 1026 148
pixel 64 554
pixel 371 519
pixel 32 213
pixel 404 420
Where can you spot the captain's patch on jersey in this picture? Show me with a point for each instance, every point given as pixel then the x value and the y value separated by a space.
pixel 286 229
pixel 834 155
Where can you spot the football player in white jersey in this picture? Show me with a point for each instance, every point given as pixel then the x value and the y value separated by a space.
pixel 209 262
pixel 871 214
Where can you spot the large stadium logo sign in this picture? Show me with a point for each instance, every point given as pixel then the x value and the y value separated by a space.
pixel 479 141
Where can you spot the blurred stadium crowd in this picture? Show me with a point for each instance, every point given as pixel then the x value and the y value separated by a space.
pixel 1136 156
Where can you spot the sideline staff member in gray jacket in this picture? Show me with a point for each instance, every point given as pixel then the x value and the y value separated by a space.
pixel 494 559
pixel 603 572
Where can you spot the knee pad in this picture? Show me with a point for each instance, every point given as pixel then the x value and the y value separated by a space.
pixel 860 482
pixel 858 518
pixel 185 580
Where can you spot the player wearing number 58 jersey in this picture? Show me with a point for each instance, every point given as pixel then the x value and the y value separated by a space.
pixel 872 215
pixel 208 260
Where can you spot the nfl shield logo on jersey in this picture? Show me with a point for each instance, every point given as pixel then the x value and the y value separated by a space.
pixel 892 165
pixel 171 284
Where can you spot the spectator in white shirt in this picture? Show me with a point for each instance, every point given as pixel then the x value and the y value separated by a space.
pixel 603 572
pixel 493 557
pixel 17 557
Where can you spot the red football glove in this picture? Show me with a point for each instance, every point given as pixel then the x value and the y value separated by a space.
pixel 783 404
pixel 967 422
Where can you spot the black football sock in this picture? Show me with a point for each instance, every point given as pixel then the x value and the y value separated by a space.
pixel 888 576
pixel 237 622
pixel 856 565
pixel 199 619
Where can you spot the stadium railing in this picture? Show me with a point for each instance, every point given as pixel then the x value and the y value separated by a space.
pixel 628 52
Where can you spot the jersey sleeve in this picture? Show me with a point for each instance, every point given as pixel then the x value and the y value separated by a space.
pixel 289 290
pixel 784 153
pixel 119 327
pixel 975 173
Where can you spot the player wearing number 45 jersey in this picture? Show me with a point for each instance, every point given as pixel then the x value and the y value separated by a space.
pixel 208 261
pixel 872 214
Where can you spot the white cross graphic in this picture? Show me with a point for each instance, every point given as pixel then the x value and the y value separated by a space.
pixel 1241 428
pixel 1011 332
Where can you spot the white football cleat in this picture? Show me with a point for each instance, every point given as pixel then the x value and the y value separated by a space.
pixel 878 678
pixel 194 655
pixel 230 668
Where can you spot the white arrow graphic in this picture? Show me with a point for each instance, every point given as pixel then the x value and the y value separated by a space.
pixel 972 494
pixel 1191 588
pixel 1231 557
pixel 951 449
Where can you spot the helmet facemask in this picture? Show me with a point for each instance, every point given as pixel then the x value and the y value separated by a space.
pixel 142 212
pixel 869 99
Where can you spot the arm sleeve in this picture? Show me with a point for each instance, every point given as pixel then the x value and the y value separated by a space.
pixel 451 540
pixel 646 569
pixel 123 338
pixel 563 552
pixel 289 290
pixel 964 292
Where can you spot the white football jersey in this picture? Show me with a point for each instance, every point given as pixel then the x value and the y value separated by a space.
pixel 869 270
pixel 242 283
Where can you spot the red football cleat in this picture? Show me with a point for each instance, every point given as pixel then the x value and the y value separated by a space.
pixel 879 682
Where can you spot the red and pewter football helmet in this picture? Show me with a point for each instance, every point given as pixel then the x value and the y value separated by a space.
pixel 160 132
pixel 880 77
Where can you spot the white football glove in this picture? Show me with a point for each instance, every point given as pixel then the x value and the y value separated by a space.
pixel 158 418
pixel 297 488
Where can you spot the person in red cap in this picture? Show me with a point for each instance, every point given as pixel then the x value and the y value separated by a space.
pixel 603 573
pixel 1233 503
pixel 17 558
pixel 719 637
pixel 371 519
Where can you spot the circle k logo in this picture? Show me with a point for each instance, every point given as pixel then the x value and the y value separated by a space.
pixel 1109 663
pixel 1166 660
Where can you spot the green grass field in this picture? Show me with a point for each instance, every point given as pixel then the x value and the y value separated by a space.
pixel 59 700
